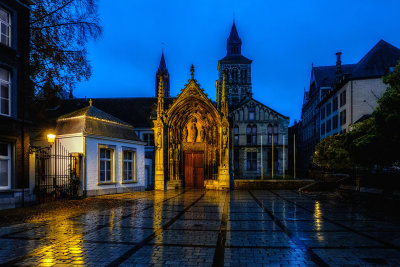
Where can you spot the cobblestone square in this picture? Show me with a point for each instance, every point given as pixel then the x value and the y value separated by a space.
pixel 205 228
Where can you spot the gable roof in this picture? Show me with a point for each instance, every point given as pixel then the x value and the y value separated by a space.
pixel 93 121
pixel 136 111
pixel 258 102
pixel 93 113
pixel 377 61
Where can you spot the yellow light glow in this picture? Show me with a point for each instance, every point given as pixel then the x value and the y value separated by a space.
pixel 51 138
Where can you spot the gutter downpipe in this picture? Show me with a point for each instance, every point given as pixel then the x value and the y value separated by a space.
pixel 351 103
pixel 84 167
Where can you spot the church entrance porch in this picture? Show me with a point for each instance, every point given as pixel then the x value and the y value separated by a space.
pixel 192 140
pixel 194 169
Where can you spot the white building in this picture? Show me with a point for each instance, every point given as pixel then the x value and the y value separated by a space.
pixel 113 158
pixel 355 96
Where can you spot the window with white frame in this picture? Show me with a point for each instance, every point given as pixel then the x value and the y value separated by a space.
pixel 106 166
pixel 5 165
pixel 4 92
pixel 129 166
pixel 5 27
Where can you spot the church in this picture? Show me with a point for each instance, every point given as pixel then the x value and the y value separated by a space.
pixel 192 141
pixel 201 144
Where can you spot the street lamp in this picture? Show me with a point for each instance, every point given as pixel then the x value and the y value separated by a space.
pixel 51 138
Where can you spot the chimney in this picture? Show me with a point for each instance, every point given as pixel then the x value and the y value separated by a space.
pixel 339 71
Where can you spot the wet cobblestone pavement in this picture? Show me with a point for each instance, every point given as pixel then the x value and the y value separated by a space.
pixel 205 228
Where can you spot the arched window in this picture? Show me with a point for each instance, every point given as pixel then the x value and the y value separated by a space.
pixel 252 113
pixel 276 134
pixel 254 135
pixel 269 132
pixel 251 133
pixel 236 135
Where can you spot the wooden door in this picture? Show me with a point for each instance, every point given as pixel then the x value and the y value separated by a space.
pixel 194 170
pixel 189 174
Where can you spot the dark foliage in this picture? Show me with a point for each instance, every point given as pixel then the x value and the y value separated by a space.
pixel 60 31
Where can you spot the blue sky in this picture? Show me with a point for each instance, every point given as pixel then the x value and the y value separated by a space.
pixel 282 38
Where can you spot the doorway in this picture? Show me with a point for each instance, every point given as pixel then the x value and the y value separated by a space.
pixel 194 170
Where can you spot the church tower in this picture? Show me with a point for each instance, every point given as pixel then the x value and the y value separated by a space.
pixel 164 74
pixel 237 69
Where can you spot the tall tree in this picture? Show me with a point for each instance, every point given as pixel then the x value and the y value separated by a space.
pixel 60 31
pixel 387 117
pixel 331 154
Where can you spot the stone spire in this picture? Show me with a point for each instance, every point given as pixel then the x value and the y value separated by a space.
pixel 164 74
pixel 224 102
pixel 234 43
pixel 160 103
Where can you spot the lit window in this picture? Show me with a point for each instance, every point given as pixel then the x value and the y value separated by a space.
pixel 4 92
pixel 106 165
pixel 128 166
pixel 251 161
pixel 5 166
pixel 5 25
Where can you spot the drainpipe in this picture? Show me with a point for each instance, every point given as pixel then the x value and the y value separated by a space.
pixel 351 102
pixel 84 168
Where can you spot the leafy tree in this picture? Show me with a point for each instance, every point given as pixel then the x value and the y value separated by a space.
pixel 362 143
pixel 387 117
pixel 60 31
pixel 331 154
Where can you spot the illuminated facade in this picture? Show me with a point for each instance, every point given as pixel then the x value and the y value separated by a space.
pixel 192 140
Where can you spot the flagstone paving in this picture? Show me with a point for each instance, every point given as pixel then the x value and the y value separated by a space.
pixel 207 228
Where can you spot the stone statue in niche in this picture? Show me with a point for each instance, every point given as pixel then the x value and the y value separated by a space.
pixel 193 132
pixel 202 134
pixel 185 134
pixel 159 140
pixel 225 137
pixel 176 152
pixel 171 152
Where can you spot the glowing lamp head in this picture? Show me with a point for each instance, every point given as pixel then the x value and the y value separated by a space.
pixel 51 138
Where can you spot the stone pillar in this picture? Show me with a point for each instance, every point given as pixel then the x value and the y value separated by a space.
pixel 159 164
pixel 223 170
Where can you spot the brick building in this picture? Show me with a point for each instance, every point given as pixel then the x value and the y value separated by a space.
pixel 14 96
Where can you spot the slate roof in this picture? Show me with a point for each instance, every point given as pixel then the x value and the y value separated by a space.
pixel 136 111
pixel 95 113
pixel 235 59
pixel 162 67
pixel 93 121
pixel 234 36
pixel 377 61
pixel 325 75
pixel 245 101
